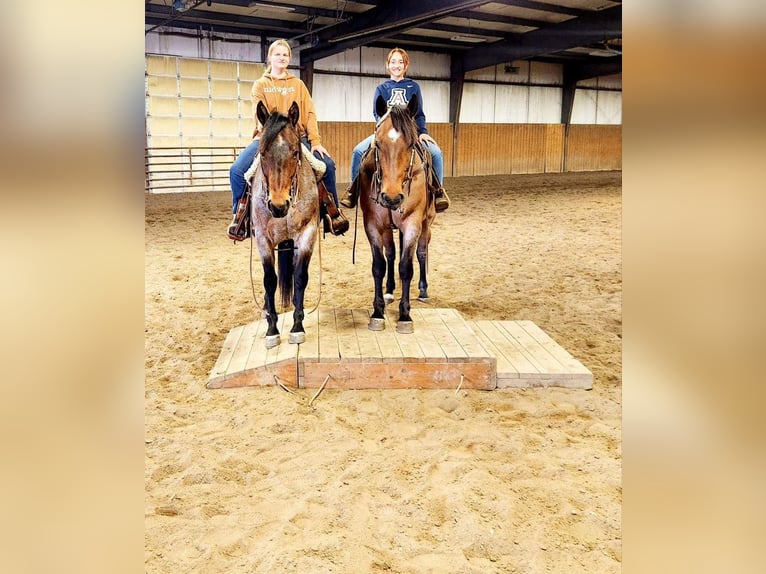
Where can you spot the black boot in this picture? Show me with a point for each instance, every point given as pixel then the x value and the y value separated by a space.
pixel 441 201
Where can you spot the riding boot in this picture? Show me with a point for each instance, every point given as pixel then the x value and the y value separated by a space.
pixel 334 220
pixel 441 201
pixel 351 194
pixel 239 228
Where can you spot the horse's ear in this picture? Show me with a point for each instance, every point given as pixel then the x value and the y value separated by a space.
pixel 294 113
pixel 381 107
pixel 412 106
pixel 261 112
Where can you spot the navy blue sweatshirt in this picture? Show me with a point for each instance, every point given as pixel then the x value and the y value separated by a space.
pixel 399 94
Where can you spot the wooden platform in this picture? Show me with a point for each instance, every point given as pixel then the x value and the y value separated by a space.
pixel 444 351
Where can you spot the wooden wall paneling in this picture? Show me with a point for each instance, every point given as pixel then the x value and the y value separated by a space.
pixel 610 150
pixel 554 147
pixel 594 147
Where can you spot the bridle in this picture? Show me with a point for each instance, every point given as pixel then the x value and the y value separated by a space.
pixel 377 178
pixel 293 194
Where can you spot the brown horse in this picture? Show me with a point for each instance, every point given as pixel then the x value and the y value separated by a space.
pixel 284 211
pixel 393 195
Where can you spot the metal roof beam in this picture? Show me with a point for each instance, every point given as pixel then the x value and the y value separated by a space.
pixel 593 27
pixel 382 21
pixel 155 14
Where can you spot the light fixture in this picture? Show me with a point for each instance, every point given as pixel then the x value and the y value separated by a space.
pixel 278 7
pixel 605 50
pixel 463 38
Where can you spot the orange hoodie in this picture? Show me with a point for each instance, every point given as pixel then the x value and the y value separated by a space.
pixel 279 94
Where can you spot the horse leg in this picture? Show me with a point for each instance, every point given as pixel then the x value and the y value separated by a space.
pixel 388 297
pixel 422 253
pixel 378 317
pixel 404 325
pixel 270 288
pixel 297 334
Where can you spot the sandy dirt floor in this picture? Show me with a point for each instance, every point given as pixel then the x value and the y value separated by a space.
pixel 407 481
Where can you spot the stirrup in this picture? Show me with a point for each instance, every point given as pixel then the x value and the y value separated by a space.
pixel 336 226
pixel 441 201
pixel 237 231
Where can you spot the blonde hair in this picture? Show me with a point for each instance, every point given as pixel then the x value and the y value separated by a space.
pixel 405 59
pixel 281 42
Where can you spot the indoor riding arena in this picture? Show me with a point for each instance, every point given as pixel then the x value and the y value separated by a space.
pixel 272 476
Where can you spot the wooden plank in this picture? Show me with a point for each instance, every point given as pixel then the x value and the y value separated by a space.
pixel 410 375
pixel 309 349
pixel 369 349
pixel 485 331
pixel 328 336
pixel 391 351
pixel 432 351
pixel 348 343
pixel 543 360
pixel 244 346
pixel 570 366
pixel 229 344
pixel 473 347
pixel 515 361
pixel 411 351
pixel 260 377
pixel 452 348
pixel 257 356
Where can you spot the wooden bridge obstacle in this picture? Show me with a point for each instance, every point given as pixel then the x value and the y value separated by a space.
pixel 445 351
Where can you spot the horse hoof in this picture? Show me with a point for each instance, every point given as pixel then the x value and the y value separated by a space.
pixel 423 299
pixel 297 338
pixel 376 324
pixel 388 298
pixel 272 341
pixel 405 327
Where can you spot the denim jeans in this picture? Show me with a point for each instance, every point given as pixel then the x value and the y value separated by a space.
pixel 246 158
pixel 362 146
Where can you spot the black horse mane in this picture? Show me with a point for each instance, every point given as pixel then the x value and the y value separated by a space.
pixel 404 123
pixel 275 124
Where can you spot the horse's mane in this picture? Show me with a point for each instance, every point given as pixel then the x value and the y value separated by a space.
pixel 275 124
pixel 403 123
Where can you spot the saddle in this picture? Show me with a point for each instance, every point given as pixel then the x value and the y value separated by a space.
pixel 435 191
pixel 332 218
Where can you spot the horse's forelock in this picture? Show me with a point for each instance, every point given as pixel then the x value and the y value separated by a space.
pixel 403 123
pixel 275 124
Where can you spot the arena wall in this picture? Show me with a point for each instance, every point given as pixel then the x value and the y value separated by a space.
pixel 199 115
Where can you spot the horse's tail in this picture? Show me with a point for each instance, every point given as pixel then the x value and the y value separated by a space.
pixel 285 250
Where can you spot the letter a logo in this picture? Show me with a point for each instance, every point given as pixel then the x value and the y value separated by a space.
pixel 397 98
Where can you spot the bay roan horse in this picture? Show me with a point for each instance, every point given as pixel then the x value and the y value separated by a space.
pixel 393 195
pixel 284 212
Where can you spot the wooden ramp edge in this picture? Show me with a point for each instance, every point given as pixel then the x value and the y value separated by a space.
pixel 445 351
pixel 528 357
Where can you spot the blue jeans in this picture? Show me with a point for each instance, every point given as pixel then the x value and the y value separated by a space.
pixel 363 146
pixel 245 160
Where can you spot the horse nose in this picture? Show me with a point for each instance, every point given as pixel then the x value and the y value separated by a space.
pixel 392 203
pixel 279 211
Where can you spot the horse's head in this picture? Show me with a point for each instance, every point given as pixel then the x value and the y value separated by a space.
pixel 280 151
pixel 395 137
